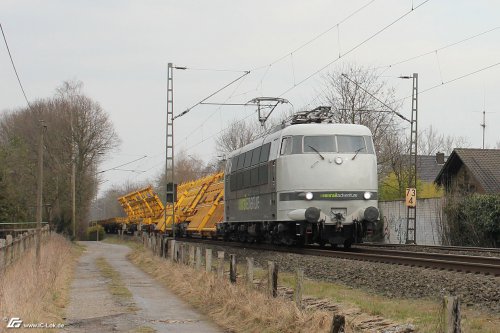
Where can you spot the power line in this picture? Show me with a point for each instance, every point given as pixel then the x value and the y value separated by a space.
pixel 214 69
pixel 439 49
pixel 300 47
pixel 14 66
pixel 353 48
pixel 119 166
pixel 217 109
pixel 221 131
pixel 317 36
pixel 457 78
pixel 212 94
pixel 373 96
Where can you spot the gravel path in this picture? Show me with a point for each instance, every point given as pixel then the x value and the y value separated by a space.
pixel 152 308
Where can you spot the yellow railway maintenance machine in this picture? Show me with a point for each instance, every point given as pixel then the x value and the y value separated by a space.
pixel 199 207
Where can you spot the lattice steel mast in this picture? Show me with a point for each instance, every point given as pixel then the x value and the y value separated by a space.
pixel 169 153
pixel 411 211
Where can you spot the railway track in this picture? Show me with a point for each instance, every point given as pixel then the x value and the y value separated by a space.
pixel 449 248
pixel 450 262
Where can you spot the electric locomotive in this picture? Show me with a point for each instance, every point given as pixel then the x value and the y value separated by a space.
pixel 310 181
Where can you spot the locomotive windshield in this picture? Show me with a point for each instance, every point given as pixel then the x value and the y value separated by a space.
pixel 324 143
pixel 327 144
pixel 351 144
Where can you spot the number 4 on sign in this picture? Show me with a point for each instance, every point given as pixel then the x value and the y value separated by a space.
pixel 411 197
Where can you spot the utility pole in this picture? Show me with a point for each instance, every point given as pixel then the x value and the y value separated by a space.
pixel 73 176
pixel 39 191
pixel 483 125
pixel 169 162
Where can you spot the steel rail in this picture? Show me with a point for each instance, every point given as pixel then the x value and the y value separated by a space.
pixel 434 247
pixel 459 263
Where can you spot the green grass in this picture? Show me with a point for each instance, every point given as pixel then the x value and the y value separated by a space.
pixel 423 313
pixel 144 329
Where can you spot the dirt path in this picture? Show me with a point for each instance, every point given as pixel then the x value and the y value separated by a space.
pixel 151 308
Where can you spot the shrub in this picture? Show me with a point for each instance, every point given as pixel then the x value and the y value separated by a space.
pixel 473 220
pixel 93 231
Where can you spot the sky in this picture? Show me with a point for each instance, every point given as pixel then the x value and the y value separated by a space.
pixel 120 50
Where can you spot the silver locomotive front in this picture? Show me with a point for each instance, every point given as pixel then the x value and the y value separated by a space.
pixel 326 181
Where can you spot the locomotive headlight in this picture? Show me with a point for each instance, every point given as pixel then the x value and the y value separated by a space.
pixel 309 196
pixel 367 195
pixel 338 160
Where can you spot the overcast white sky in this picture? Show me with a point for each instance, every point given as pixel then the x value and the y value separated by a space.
pixel 120 50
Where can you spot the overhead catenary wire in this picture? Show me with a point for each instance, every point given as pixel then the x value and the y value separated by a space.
pixel 375 97
pixel 212 94
pixel 119 166
pixel 457 78
pixel 14 66
pixel 316 72
pixel 353 48
pixel 439 49
pixel 316 37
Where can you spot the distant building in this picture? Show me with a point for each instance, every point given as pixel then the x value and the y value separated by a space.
pixel 471 171
pixel 428 167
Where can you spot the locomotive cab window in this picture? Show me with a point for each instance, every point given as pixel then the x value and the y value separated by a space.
pixel 351 144
pixel 320 143
pixel 286 146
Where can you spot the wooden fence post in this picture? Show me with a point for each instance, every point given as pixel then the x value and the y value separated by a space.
pixel 198 258
pixel 220 264
pixel 2 256
pixel 9 249
pixel 208 260
pixel 299 280
pixel 338 324
pixel 232 268
pixel 272 278
pixel 250 270
pixel 451 305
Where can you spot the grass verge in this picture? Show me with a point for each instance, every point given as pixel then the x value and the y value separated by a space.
pixel 425 314
pixel 39 293
pixel 235 307
pixel 189 284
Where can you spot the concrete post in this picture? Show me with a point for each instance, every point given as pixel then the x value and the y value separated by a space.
pixel 250 271
pixel 172 249
pixel 198 258
pixel 208 260
pixel 220 264
pixel 232 268
pixel 191 255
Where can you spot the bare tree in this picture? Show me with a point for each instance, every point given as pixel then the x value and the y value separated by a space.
pixel 431 142
pixel 239 134
pixel 352 104
pixel 92 137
